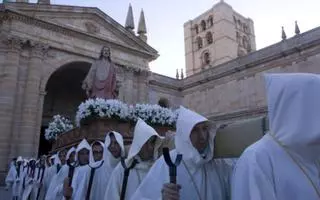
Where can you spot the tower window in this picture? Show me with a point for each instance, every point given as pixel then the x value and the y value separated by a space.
pixel 199 42
pixel 196 28
pixel 245 42
pixel 203 25
pixel 209 38
pixel 210 21
pixel 206 58
pixel 238 37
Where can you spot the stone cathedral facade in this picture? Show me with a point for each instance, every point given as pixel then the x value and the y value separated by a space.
pixel 46 50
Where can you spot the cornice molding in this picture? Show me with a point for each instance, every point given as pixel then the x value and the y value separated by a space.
pixel 79 10
pixel 263 110
pixel 8 15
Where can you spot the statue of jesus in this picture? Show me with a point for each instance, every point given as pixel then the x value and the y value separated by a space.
pixel 100 81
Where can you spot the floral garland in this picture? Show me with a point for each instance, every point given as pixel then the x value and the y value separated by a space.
pixel 57 126
pixel 155 114
pixel 101 108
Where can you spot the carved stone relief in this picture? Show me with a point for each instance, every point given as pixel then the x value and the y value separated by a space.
pixel 91 28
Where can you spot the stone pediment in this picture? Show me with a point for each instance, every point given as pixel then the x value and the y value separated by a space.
pixel 91 21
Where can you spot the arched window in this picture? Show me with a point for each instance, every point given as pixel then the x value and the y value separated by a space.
pixel 249 45
pixel 241 52
pixel 209 38
pixel 210 21
pixel 239 23
pixel 199 42
pixel 206 58
pixel 196 28
pixel 245 42
pixel 203 25
pixel 238 37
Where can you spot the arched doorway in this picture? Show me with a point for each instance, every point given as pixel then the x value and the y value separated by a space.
pixel 64 94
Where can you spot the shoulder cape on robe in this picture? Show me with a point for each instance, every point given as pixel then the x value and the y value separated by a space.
pixel 269 169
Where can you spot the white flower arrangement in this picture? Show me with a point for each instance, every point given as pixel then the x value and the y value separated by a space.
pixel 155 114
pixel 101 108
pixel 58 125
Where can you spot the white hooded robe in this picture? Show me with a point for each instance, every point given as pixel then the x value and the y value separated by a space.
pixel 267 170
pixel 55 191
pixel 39 175
pixel 78 177
pixel 14 181
pixel 49 173
pixel 98 181
pixel 142 134
pixel 200 177
pixel 29 183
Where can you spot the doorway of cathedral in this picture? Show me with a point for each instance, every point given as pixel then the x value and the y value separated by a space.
pixel 63 96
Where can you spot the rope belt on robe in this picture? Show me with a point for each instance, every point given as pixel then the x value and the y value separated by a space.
pixel 126 176
pixel 24 178
pixel 298 164
pixel 92 172
pixel 18 171
pixel 58 168
pixel 41 178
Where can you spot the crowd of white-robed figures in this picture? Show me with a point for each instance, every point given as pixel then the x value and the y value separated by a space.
pixel 283 165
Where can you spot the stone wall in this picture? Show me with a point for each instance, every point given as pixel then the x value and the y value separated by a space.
pixel 164 87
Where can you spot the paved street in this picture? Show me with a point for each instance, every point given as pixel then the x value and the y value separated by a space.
pixel 4 195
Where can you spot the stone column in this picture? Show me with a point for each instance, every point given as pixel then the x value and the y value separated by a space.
pixel 129 86
pixel 143 87
pixel 8 86
pixel 29 131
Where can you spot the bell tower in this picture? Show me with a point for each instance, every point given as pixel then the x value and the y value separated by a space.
pixel 218 35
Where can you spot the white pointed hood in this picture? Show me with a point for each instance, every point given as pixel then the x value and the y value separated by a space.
pixel 294 107
pixel 70 151
pixel 187 119
pixel 19 159
pixel 142 133
pixel 57 160
pixel 108 157
pixel 92 162
pixel 82 145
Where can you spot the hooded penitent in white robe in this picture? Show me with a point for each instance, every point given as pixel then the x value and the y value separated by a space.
pixel 29 182
pixel 15 178
pixel 49 174
pixel 284 164
pixel 98 178
pixel 200 176
pixel 78 176
pixel 110 162
pixel 39 175
pixel 102 171
pixel 55 191
pixel 142 134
